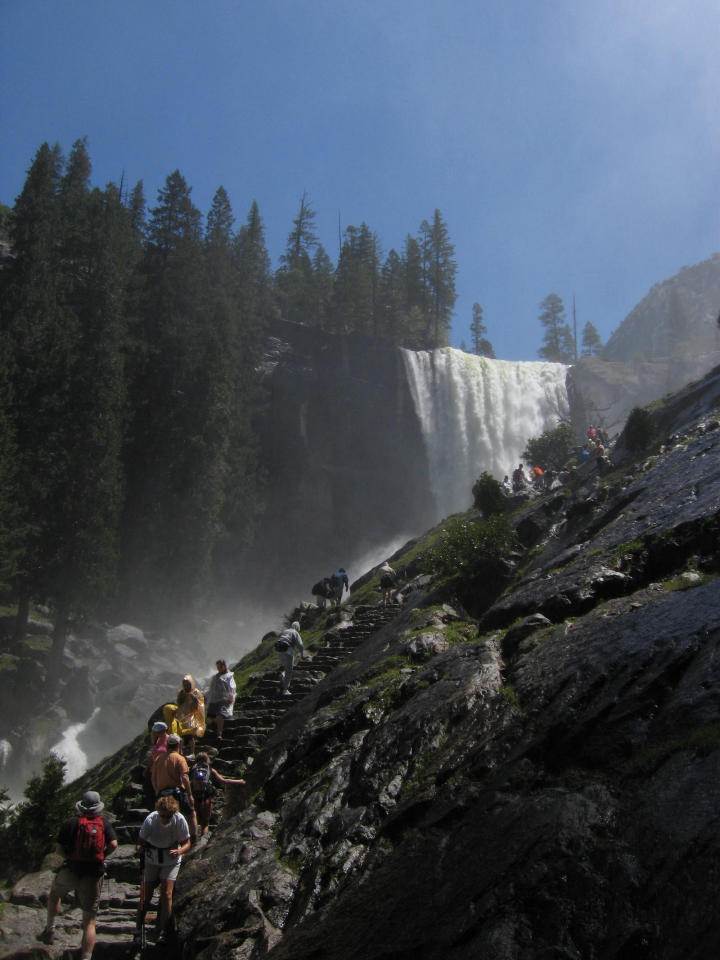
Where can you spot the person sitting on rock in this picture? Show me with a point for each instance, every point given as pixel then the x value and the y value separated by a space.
pixel 387 582
pixel 84 840
pixel 202 775
pixel 163 839
pixel 519 481
pixel 506 488
pixel 286 644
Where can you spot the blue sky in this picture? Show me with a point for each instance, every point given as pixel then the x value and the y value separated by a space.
pixel 572 147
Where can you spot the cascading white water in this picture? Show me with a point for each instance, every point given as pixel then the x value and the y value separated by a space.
pixel 478 414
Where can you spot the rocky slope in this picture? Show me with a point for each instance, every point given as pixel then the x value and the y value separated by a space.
pixel 537 777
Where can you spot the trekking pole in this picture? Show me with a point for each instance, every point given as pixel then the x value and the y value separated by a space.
pixel 141 903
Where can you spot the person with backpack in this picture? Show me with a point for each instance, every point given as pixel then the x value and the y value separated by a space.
pixel 202 775
pixel 339 581
pixel 170 778
pixel 323 591
pixel 162 840
pixel 286 644
pixel 84 840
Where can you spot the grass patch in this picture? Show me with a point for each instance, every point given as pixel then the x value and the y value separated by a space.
pixel 511 695
pixel 702 742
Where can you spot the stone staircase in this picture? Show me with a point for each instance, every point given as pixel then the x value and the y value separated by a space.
pixel 256 716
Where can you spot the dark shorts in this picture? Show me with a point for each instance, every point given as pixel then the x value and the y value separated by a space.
pixel 86 886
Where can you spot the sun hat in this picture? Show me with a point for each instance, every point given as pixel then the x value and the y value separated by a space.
pixel 174 738
pixel 90 803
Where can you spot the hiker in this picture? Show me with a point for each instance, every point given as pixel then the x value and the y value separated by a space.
pixel 387 582
pixel 536 476
pixel 84 840
pixel 519 481
pixel 158 740
pixel 163 839
pixel 202 774
pixel 286 644
pixel 170 778
pixel 506 488
pixel 323 591
pixel 339 581
pixel 190 713
pixel 221 696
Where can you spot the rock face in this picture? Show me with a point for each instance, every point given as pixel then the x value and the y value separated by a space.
pixel 668 340
pixel 343 454
pixel 544 784
pixel 539 777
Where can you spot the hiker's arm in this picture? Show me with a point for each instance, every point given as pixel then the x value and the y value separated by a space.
pixel 179 849
pixel 188 791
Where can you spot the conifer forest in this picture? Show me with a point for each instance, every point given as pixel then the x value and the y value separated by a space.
pixel 130 371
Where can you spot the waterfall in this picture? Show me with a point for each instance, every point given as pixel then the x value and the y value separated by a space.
pixel 478 414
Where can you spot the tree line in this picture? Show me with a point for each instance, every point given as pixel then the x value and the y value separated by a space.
pixel 130 348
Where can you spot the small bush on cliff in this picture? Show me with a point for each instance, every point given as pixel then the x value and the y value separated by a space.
pixel 639 430
pixel 552 449
pixel 488 495
pixel 468 549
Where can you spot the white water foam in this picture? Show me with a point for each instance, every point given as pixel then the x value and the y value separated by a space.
pixel 478 414
pixel 69 749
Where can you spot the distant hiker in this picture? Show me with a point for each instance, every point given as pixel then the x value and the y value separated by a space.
pixel 202 774
pixel 601 461
pixel 190 713
pixel 519 481
pixel 286 644
pixel 387 582
pixel 163 838
pixel 170 779
pixel 221 696
pixel 84 840
pixel 591 433
pixel 507 489
pixel 339 581
pixel 323 591
pixel 536 476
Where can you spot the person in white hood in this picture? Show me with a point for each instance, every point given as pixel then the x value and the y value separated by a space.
pixel 286 644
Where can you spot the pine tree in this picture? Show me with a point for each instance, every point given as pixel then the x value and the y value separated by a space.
pixel 169 511
pixel 356 282
pixel 295 277
pixel 591 343
pixel 481 345
pixel 558 344
pixel 440 269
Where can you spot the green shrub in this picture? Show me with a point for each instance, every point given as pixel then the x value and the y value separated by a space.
pixel 471 548
pixel 28 831
pixel 639 431
pixel 552 449
pixel 488 495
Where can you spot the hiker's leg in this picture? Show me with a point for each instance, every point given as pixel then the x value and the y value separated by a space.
pixel 166 895
pixel 219 723
pixel 87 943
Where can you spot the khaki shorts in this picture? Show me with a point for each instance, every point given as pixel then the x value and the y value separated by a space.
pixel 86 886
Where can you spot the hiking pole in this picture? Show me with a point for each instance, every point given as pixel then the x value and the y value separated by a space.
pixel 141 903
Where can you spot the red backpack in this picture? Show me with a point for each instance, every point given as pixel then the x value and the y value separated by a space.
pixel 89 842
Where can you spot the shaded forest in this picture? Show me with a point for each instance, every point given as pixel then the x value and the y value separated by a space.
pixel 131 341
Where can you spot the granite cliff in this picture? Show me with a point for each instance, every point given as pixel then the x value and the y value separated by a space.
pixel 530 771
